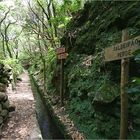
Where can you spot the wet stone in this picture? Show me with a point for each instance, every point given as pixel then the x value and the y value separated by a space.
pixel 5 105
pixel 1 120
pixel 0 108
pixel 2 96
pixel 4 113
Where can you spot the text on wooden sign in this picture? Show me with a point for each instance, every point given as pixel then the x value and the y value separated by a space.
pixel 62 56
pixel 60 50
pixel 122 50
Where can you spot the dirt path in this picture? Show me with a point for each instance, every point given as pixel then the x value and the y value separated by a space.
pixel 22 123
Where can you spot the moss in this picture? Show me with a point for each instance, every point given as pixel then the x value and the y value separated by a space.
pixel 97 26
pixel 100 17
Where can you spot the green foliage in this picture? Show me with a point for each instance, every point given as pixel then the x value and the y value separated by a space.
pixel 92 98
pixel 63 12
pixel 133 89
pixel 11 20
pixel 97 26
pixel 80 111
pixel 1 55
pixel 105 90
pixel 134 108
pixel 91 31
pixel 47 26
pixel 15 66
pixel 105 124
pixel 4 75
pixel 85 81
pixel 51 66
pixel 137 56
pixel 92 91
pixel 134 86
pixel 16 69
pixel 36 65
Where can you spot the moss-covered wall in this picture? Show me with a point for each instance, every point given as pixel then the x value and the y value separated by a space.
pixel 5 107
pixel 100 24
pixel 93 91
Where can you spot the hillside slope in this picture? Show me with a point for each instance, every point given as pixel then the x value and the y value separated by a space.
pixel 92 91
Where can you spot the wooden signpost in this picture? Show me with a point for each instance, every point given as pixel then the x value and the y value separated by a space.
pixel 123 51
pixel 60 50
pixel 61 55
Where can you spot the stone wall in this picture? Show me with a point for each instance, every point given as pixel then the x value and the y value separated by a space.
pixel 4 108
pixel 4 102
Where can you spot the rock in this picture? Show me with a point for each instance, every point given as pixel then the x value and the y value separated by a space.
pixel 2 96
pixel 0 132
pixel 3 87
pixel 5 98
pixel 5 105
pixel 1 119
pixel 19 79
pixel 55 100
pixel 4 113
pixel 0 108
pixel 12 108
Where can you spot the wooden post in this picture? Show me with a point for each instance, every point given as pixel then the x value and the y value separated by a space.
pixel 62 82
pixel 124 96
pixel 61 55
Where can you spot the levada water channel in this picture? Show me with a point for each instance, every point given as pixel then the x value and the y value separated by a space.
pixel 48 128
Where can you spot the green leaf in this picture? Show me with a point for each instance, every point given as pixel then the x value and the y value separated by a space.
pixel 133 90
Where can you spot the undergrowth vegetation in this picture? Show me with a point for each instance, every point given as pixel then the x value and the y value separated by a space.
pixel 15 68
pixel 93 91
pixel 92 86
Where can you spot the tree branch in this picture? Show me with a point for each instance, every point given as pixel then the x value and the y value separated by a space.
pixel 38 18
pixel 4 16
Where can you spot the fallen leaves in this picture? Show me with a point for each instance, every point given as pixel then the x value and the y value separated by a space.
pixel 71 129
pixel 22 121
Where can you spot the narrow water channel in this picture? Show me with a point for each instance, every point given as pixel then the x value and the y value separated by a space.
pixel 48 128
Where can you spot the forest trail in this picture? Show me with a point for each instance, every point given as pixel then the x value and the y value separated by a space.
pixel 22 123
